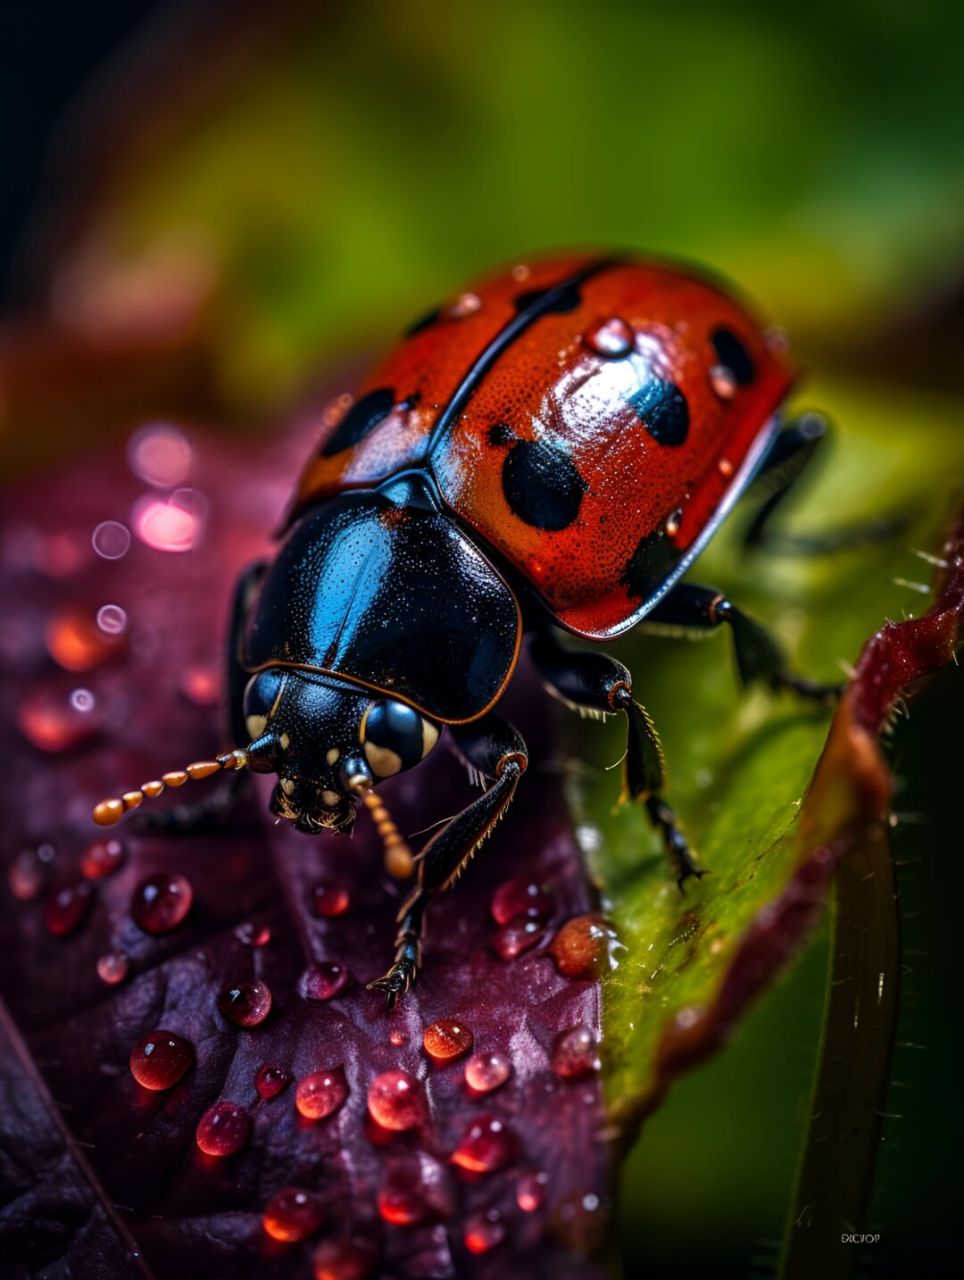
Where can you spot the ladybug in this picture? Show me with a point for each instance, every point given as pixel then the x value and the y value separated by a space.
pixel 551 450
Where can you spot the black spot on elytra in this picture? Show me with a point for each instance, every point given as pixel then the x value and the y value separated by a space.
pixel 423 322
pixel 363 417
pixel 650 564
pixel 566 300
pixel 542 485
pixel 663 411
pixel 501 433
pixel 733 355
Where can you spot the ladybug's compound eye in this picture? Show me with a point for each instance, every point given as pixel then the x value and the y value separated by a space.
pixel 261 697
pixel 395 737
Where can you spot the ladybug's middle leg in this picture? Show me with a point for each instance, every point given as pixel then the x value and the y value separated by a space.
pixel 787 459
pixel 595 684
pixel 759 655
pixel 495 750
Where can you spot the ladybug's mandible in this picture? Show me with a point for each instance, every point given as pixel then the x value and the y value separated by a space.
pixel 551 449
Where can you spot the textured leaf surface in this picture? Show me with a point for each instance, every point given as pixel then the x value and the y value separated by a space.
pixel 102 1178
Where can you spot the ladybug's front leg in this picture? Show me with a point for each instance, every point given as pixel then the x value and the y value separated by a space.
pixel 759 656
pixel 495 750
pixel 595 684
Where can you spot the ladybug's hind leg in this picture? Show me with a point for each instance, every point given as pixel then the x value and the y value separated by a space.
pixel 596 684
pixel 759 655
pixel 789 457
pixel 496 751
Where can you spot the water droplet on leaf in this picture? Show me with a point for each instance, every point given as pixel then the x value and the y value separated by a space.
pixel 323 981
pixel 113 967
pixel 161 902
pixel 246 1003
pixel 445 1040
pixel 329 900
pixel 223 1129
pixel 160 1059
pixel 396 1101
pixel 486 1072
pixel 270 1081
pixel 483 1231
pixel 574 1054
pixel 487 1145
pixel 66 909
pixel 292 1214
pixel 321 1094
pixel 102 858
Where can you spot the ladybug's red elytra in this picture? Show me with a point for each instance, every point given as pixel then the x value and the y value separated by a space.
pixel 550 449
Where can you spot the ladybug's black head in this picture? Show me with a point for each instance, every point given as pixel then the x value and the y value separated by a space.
pixel 329 741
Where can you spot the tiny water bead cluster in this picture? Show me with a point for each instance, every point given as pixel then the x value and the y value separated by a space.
pixel 414 1191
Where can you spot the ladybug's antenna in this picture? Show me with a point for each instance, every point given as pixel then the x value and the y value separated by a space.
pixel 110 811
pixel 399 861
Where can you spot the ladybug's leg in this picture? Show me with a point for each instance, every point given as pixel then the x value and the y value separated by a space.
pixel 759 655
pixel 210 809
pixel 787 458
pixel 595 684
pixel 495 750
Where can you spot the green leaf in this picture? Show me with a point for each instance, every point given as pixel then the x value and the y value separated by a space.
pixel 740 764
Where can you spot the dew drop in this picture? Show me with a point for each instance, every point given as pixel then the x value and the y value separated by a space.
pixel 352 1259
pixel 580 946
pixel 112 619
pixel 466 304
pixel 292 1214
pixel 321 1094
pixel 483 1231
pixel 323 981
pixel 522 896
pixel 77 643
pixel 329 900
pixel 725 467
pixel 223 1129
pixel 111 539
pixel 102 858
pixel 252 934
pixel 723 382
pixel 485 1072
pixel 446 1040
pixel 574 1054
pixel 270 1081
pixel 161 902
pixel 400 1205
pixel 160 1059
pixel 396 1101
pixel 612 338
pixel 53 719
pixel 530 1190
pixel 487 1145
pixel 160 455
pixel 416 1190
pixel 28 872
pixel 113 967
pixel 246 1003
pixel 67 909
pixel 517 937
pixel 397 1037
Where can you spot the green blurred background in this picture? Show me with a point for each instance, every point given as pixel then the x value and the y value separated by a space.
pixel 235 201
